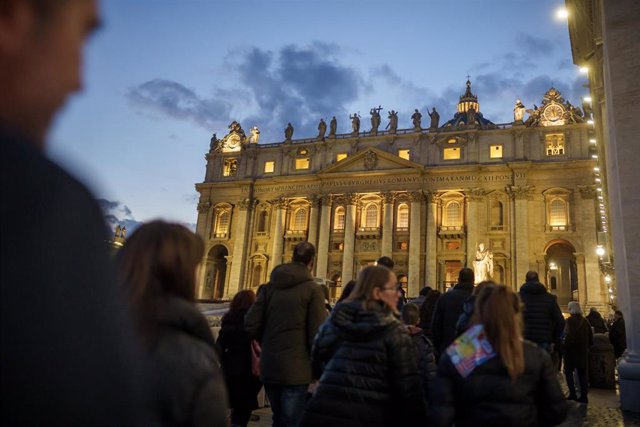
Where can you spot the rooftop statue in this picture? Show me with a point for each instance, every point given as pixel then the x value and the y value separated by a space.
pixel 322 129
pixel 288 132
pixel 355 123
pixel 255 135
pixel 518 111
pixel 417 120
pixel 333 127
pixel 214 142
pixel 393 121
pixel 375 119
pixel 435 118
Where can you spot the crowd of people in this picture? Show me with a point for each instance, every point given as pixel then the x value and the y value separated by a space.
pixel 84 343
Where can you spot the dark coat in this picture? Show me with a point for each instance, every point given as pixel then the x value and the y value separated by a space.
pixel 446 313
pixel 69 353
pixel 369 371
pixel 488 397
pixel 425 356
pixel 467 311
pixel 618 337
pixel 189 388
pixel 235 349
pixel 426 311
pixel 294 311
pixel 597 322
pixel 577 342
pixel 543 321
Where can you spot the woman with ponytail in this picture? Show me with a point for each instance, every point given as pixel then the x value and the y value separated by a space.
pixel 490 376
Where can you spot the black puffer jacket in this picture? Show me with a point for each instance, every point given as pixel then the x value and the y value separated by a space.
pixel 487 397
pixel 369 371
pixel 189 387
pixel 425 356
pixel 543 321
pixel 445 316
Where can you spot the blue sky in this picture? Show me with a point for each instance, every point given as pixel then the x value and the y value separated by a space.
pixel 162 75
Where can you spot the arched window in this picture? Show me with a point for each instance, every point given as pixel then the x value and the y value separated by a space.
pixel 403 217
pixel 222 223
pixel 371 216
pixel 497 215
pixel 453 215
pixel 299 220
pixel 262 221
pixel 558 213
pixel 338 221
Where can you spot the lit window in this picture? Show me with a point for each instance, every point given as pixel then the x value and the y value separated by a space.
pixel 299 220
pixel 554 144
pixel 230 167
pixel 403 217
pixel 557 213
pixel 452 141
pixel 302 163
pixel 269 167
pixel 452 217
pixel 495 151
pixel 338 223
pixel 341 156
pixel 371 216
pixel 451 153
pixel 404 154
pixel 222 223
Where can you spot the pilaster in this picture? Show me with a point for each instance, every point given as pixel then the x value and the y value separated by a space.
pixel 323 238
pixel 521 194
pixel 416 198
pixel 349 238
pixel 387 225
pixel 239 253
pixel 280 206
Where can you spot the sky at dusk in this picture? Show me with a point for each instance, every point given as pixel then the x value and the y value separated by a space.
pixel 162 75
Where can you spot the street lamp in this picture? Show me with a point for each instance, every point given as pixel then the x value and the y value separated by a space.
pixel 600 250
pixel 562 13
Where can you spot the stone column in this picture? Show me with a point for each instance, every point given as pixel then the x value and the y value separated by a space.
pixel 521 195
pixel 415 235
pixel 239 245
pixel 323 238
pixel 280 206
pixel 312 236
pixel 431 269
pixel 387 225
pixel 349 237
pixel 595 295
pixel 472 223
pixel 203 230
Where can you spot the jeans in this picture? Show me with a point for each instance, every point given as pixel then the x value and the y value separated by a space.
pixel 582 380
pixel 287 403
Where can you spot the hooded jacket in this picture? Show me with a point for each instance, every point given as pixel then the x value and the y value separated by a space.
pixel 285 318
pixel 446 313
pixel 543 321
pixel 369 373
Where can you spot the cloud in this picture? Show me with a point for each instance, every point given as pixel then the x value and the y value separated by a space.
pixel 117 213
pixel 177 101
pixel 533 45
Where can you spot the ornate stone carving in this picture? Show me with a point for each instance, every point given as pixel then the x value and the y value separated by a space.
pixel 314 201
pixel 520 192
pixel 416 196
pixel 587 191
pixel 370 160
pixel 325 199
pixel 431 196
pixel 476 193
pixel 245 204
pixel 204 207
pixel 352 198
pixel 388 197
pixel 280 203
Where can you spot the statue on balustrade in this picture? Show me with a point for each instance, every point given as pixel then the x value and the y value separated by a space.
pixel 393 121
pixel 322 129
pixel 483 264
pixel 333 127
pixel 416 118
pixel 435 118
pixel 288 132
pixel 518 111
pixel 355 123
pixel 375 119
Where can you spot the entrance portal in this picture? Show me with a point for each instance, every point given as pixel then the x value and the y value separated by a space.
pixel 216 273
pixel 562 272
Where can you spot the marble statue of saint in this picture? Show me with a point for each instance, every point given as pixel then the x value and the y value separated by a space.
pixel 322 129
pixel 518 111
pixel 255 135
pixel 483 264
pixel 435 118
pixel 375 119
pixel 355 123
pixel 214 142
pixel 288 132
pixel 416 118
pixel 333 127
pixel 393 121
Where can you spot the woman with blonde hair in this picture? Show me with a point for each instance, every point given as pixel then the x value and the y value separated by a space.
pixel 490 376
pixel 157 267
pixel 365 360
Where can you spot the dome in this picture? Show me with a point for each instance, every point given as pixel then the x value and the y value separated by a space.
pixel 468 112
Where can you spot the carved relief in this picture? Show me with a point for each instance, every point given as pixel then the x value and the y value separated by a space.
pixel 416 196
pixel 203 207
pixel 587 191
pixel 370 160
pixel 388 197
pixel 351 198
pixel 476 193
pixel 520 192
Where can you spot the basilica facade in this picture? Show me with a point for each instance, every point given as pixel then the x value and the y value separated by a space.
pixel 435 198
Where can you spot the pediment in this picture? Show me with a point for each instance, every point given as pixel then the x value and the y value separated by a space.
pixel 371 160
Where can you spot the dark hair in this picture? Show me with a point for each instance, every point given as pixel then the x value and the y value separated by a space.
pixel 424 291
pixel 370 278
pixel 304 252
pixel 386 262
pixel 480 286
pixel 531 276
pixel 410 314
pixel 158 259
pixel 346 291
pixel 466 276
pixel 242 301
pixel 619 313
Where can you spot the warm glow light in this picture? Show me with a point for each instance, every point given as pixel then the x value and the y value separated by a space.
pixel 583 70
pixel 590 121
pixel 594 156
pixel 553 266
pixel 607 279
pixel 598 180
pixel 562 13
pixel 599 189
pixel 600 251
pixel 592 140
pixel 587 99
pixel 596 169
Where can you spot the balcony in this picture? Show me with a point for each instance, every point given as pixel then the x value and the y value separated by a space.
pixel 368 233
pixel 220 236
pixel 452 231
pixel 295 235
